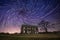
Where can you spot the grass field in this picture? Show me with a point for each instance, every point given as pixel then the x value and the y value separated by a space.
pixel 31 37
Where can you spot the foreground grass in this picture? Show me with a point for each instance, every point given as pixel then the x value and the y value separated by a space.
pixel 31 37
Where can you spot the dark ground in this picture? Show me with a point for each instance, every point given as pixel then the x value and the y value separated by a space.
pixel 29 36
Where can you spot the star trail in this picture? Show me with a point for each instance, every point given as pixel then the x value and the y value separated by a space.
pixel 14 13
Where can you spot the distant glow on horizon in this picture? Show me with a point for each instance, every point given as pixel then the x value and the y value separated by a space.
pixel 11 30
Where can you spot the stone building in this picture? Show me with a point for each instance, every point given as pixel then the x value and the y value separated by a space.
pixel 29 29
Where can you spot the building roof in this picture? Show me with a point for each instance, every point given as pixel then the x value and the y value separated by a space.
pixel 29 26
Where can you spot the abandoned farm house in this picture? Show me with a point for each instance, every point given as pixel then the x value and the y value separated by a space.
pixel 29 29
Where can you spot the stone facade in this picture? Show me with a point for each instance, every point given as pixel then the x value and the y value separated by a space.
pixel 29 29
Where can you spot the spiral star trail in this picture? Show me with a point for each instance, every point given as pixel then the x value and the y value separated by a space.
pixel 14 13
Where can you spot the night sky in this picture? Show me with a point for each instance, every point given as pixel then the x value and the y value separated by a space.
pixel 14 13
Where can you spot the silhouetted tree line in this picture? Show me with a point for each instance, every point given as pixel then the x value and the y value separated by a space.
pixel 2 33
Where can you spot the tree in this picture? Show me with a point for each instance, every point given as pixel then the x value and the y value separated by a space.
pixel 44 24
